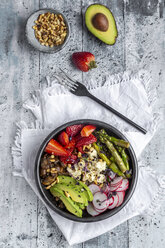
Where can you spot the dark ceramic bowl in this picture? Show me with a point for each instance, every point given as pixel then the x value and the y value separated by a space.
pixel 50 200
pixel 30 34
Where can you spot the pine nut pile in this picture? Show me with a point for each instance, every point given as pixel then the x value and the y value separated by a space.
pixel 50 29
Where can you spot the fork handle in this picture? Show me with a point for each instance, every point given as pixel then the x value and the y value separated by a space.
pixel 117 113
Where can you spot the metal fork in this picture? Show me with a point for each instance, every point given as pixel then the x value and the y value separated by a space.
pixel 79 89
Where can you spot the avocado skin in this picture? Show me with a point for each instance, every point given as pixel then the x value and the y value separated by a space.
pixel 70 205
pixel 75 192
pixel 108 37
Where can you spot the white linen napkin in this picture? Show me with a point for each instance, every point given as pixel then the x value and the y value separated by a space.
pixel 53 105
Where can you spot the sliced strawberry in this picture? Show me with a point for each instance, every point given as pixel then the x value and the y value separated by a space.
pixel 68 159
pixel 80 149
pixel 70 150
pixel 73 130
pixel 71 144
pixel 63 138
pixel 77 137
pixel 86 140
pixel 87 130
pixel 53 147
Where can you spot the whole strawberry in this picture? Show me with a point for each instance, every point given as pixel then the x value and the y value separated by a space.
pixel 84 60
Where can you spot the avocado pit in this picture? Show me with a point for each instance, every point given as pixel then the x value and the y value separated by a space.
pixel 100 22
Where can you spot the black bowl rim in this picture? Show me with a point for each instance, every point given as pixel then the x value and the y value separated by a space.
pixel 67 215
pixel 60 47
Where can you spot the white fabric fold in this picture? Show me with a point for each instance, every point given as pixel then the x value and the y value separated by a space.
pixel 53 105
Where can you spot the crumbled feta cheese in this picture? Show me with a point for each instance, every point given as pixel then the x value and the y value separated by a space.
pixel 101 166
pixel 85 177
pixel 92 177
pixel 89 168
pixel 74 173
pixel 101 178
pixel 92 153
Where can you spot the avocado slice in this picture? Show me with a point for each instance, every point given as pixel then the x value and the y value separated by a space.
pixel 101 23
pixel 89 193
pixel 81 205
pixel 66 180
pixel 72 181
pixel 70 205
pixel 76 192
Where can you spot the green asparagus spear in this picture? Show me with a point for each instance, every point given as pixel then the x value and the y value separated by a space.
pixel 114 152
pixel 125 160
pixel 110 164
pixel 112 159
pixel 115 141
pixel 119 142
pixel 124 156
pixel 128 175
pixel 101 155
pixel 115 169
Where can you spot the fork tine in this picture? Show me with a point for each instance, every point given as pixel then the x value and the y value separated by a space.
pixel 66 84
pixel 69 78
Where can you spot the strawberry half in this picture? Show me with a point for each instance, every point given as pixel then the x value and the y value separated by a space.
pixel 80 149
pixel 73 130
pixel 63 138
pixel 53 147
pixel 86 140
pixel 84 61
pixel 77 137
pixel 87 130
pixel 71 144
pixel 69 151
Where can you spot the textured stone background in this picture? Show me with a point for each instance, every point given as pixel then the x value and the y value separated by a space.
pixel 24 221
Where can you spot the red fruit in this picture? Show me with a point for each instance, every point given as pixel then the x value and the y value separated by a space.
pixel 86 140
pixel 71 144
pixel 73 130
pixel 84 61
pixel 53 147
pixel 68 160
pixel 70 150
pixel 87 130
pixel 80 149
pixel 63 138
pixel 77 137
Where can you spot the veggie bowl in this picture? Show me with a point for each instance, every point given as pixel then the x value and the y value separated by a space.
pixel 86 170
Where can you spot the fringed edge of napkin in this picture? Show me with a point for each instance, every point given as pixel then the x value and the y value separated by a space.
pixel 119 78
pixel 159 195
pixel 126 76
pixel 16 149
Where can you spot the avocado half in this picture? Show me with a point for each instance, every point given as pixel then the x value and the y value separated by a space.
pixel 109 36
